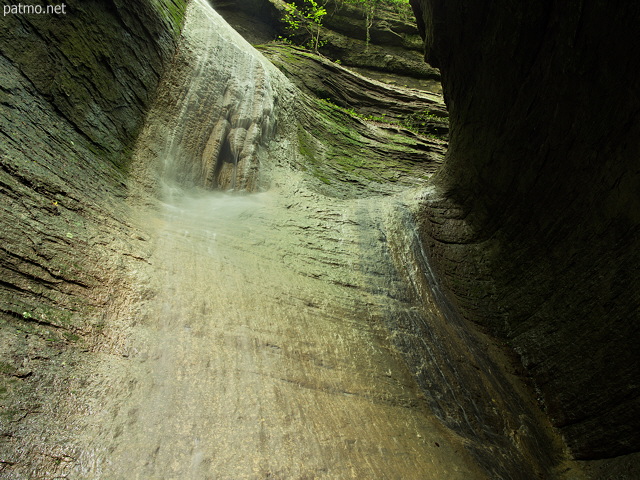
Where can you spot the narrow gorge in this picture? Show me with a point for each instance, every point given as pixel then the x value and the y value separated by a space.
pixel 225 256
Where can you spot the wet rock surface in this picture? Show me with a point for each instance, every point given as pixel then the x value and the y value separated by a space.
pixel 291 328
pixel 283 333
pixel 533 222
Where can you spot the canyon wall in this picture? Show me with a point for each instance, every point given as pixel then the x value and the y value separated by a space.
pixel 533 223
pixel 393 53
pixel 74 91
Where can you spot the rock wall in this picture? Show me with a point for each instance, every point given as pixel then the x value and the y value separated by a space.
pixel 74 91
pixel 421 111
pixel 393 53
pixel 533 223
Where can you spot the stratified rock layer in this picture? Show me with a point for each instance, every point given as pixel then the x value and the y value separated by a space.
pixel 534 220
pixel 74 90
pixel 392 53
pixel 421 111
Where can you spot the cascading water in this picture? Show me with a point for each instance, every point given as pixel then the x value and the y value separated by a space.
pixel 269 338
pixel 220 108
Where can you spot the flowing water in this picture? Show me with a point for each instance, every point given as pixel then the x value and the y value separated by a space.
pixel 263 355
pixel 273 330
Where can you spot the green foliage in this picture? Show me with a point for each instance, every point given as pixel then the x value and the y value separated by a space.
pixel 309 17
pixel 422 122
pixel 284 40
pixel 367 3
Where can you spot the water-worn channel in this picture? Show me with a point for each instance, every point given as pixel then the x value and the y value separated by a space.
pixel 283 333
pixel 263 355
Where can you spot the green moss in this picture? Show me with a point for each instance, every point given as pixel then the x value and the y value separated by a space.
pixel 173 12
pixel 7 368
pixel 72 337
pixel 339 147
pixel 305 145
pixel 310 153
pixel 427 123
pixel 44 320
pixel 10 414
pixel 55 316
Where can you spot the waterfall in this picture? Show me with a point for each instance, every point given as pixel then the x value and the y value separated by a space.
pixel 217 110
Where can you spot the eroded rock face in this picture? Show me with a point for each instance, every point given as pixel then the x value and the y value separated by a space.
pixel 534 219
pixel 423 112
pixel 275 324
pixel 74 90
pixel 95 317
